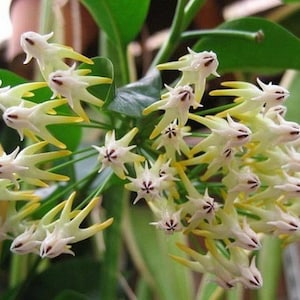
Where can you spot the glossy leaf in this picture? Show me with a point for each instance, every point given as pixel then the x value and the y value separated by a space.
pixel 279 50
pixel 134 97
pixel 121 20
pixel 292 102
pixel 102 67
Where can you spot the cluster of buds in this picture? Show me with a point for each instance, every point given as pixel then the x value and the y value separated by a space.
pixel 51 235
pixel 237 183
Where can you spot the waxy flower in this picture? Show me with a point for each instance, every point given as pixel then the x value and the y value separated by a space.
pixel 176 104
pixel 33 121
pixel 195 68
pixel 51 237
pixel 273 219
pixel 199 207
pixel 15 221
pixel 7 194
pixel 289 187
pixel 169 222
pixel 206 263
pixel 73 85
pixel 228 270
pixel 12 96
pixel 240 182
pixel 26 242
pixel 50 56
pixel 230 227
pixel 66 230
pixel 23 165
pixel 250 99
pixel 30 239
pixel 268 134
pixel 150 183
pixel 224 133
pixel 245 271
pixel 116 153
pixel 172 139
pixel 9 168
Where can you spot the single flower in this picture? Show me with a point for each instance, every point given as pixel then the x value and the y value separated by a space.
pixel 33 121
pixel 50 56
pixel 169 222
pixel 8 194
pixel 268 133
pixel 9 168
pixel 73 85
pixel 116 153
pixel 195 68
pixel 202 207
pixel 176 104
pixel 67 229
pixel 240 182
pixel 28 160
pixel 12 96
pixel 206 263
pixel 15 221
pixel 273 219
pixel 148 184
pixel 224 133
pixel 230 227
pixel 172 140
pixel 251 100
pixel 26 242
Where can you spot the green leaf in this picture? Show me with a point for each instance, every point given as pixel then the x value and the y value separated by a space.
pixel 270 266
pixel 80 275
pixel 121 20
pixel 133 98
pixel 69 294
pixel 102 67
pixel 279 50
pixel 292 102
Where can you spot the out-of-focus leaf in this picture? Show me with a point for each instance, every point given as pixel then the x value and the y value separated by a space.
pixel 70 294
pixel 292 102
pixel 121 20
pixel 80 275
pixel 279 50
pixel 133 98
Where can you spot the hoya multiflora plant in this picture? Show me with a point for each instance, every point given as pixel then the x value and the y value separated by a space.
pixel 229 188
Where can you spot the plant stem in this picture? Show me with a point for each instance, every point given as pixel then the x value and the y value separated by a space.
pixel 182 19
pixel 249 35
pixel 190 11
pixel 173 37
pixel 118 55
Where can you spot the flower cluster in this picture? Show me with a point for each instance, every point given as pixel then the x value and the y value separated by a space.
pixel 228 182
pixel 236 184
pixel 31 165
